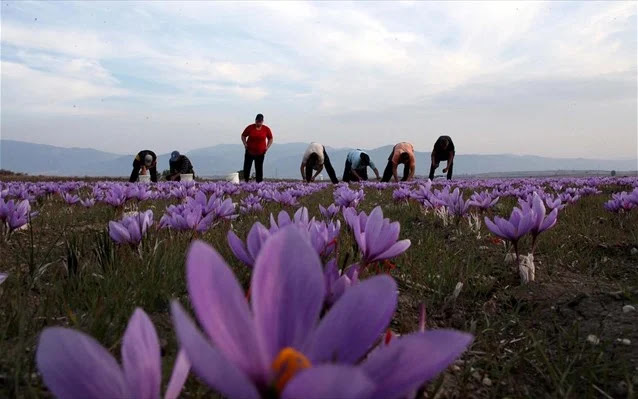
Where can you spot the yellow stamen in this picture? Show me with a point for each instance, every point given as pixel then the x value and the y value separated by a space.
pixel 288 363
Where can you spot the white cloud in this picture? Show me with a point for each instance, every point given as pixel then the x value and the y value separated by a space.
pixel 26 90
pixel 301 60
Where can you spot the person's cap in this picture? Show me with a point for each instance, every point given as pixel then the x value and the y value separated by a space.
pixel 174 156
pixel 259 118
pixel 148 160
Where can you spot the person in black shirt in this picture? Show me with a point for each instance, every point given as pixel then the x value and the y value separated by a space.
pixel 443 151
pixel 179 165
pixel 144 160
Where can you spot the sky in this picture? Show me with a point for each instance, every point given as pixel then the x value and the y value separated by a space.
pixel 555 79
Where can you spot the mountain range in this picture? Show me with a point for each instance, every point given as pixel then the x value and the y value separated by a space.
pixel 282 161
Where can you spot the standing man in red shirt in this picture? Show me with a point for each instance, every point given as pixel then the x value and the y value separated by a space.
pixel 257 139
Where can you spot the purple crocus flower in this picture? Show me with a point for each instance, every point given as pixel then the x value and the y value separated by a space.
pixel 483 200
pixel 542 221
pixel 518 225
pixel 250 203
pixel 378 240
pixel 277 345
pixel 284 198
pixel 116 196
pixel 323 236
pixel 3 276
pixel 554 203
pixel 224 209
pixel 454 202
pixel 131 229
pixel 348 198
pixel 336 282
pixel 283 219
pixel 87 203
pixel 354 220
pixel 138 192
pixel 74 365
pixel 15 215
pixel 426 197
pixel 330 212
pixel 257 235
pixel 622 201
pixel 402 194
pixel 187 217
pixel 70 199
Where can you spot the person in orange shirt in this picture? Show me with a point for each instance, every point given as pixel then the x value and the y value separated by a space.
pixel 402 153
pixel 257 139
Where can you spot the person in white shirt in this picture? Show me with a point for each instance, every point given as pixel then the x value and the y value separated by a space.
pixel 315 158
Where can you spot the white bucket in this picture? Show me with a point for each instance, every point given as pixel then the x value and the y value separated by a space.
pixel 144 179
pixel 186 177
pixel 233 178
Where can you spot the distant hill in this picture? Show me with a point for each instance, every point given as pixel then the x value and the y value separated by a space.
pixel 282 161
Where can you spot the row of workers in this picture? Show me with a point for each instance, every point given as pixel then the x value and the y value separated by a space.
pixel 257 139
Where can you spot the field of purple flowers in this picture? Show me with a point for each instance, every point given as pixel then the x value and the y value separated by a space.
pixel 469 288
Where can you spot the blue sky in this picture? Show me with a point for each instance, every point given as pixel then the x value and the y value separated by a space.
pixel 545 78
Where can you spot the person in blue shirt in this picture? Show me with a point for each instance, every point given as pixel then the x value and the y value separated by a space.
pixel 356 169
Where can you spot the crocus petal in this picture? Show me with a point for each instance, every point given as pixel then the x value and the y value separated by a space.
pixel 221 307
pixel 238 249
pixel 373 229
pixel 412 360
pixel 178 376
pixel 390 234
pixel 134 230
pixel 283 219
pixel 141 359
pixel 287 291
pixel 208 363
pixel 257 235
pixel 3 276
pixel 360 237
pixel 118 233
pixel 329 381
pixel 355 322
pixel 338 287
pixel 507 229
pixel 549 221
pixel 493 228
pixel 539 210
pixel 330 274
pixel 397 249
pixel 74 365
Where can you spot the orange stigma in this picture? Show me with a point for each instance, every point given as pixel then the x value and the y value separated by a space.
pixel 288 363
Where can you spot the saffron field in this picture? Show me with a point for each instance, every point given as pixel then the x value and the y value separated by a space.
pixel 469 288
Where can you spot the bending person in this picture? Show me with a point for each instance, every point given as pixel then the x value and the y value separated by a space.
pixel 257 139
pixel 144 161
pixel 402 153
pixel 179 165
pixel 315 158
pixel 356 169
pixel 443 151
